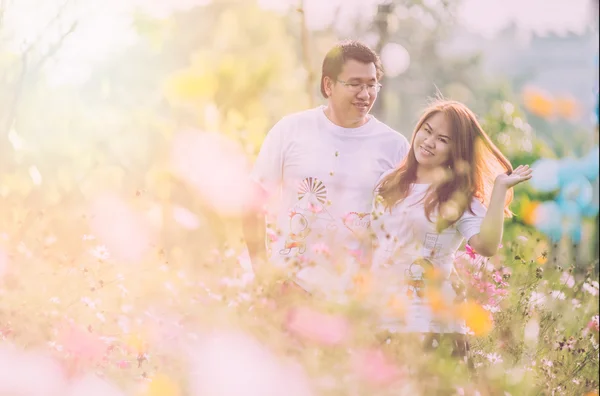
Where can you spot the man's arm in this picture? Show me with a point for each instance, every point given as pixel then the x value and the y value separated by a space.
pixel 254 228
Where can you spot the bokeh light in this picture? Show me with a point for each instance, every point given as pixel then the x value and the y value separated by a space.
pixel 215 166
pixel 395 59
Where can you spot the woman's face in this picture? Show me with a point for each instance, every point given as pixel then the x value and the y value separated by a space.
pixel 433 142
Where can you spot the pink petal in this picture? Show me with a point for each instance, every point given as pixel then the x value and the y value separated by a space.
pixel 317 327
pixel 375 368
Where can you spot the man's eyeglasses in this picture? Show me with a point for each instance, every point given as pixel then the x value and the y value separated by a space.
pixel 358 87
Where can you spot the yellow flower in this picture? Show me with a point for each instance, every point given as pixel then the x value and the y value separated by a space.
pixel 436 300
pixel 362 283
pixel 396 306
pixel 162 385
pixel 528 212
pixel 476 317
pixel 538 103
pixel 137 342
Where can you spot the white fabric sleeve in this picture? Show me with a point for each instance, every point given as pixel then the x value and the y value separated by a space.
pixel 268 168
pixel 402 151
pixel 384 174
pixel 470 223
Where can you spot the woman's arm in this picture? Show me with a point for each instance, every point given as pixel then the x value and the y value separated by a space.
pixel 487 241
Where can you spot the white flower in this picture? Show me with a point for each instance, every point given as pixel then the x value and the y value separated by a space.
pixel 494 358
pixel 590 288
pixel 537 299
pixel 185 218
pixel 87 237
pixel 55 346
pixel 567 279
pixel 100 252
pixel 558 295
pixel 491 308
pixel 547 362
pixel 88 301
pixel 576 303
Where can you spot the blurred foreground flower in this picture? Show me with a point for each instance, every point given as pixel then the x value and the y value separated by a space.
pixel 375 368
pixel 318 327
pixel 125 233
pixel 215 166
pixel 3 263
pixel 81 346
pixel 233 364
pixel 91 385
pixel 162 385
pixel 476 317
pixel 29 374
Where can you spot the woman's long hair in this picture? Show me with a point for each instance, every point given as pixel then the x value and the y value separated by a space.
pixel 470 172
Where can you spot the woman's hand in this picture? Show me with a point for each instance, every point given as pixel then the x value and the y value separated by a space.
pixel 519 175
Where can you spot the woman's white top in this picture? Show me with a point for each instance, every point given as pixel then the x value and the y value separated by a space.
pixel 404 240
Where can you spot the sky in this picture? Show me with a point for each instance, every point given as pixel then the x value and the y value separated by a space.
pixel 539 16
pixel 105 26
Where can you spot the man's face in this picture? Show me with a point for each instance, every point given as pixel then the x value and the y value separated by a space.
pixel 353 94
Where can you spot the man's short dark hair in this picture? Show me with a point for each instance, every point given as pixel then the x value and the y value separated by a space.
pixel 337 56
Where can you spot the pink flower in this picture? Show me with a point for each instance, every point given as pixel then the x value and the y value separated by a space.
pixel 315 208
pixel 272 235
pixel 375 368
pixel 123 364
pixel 216 167
pixel 317 327
pixel 594 323
pixel 497 277
pixel 355 252
pixel 81 344
pixel 320 248
pixel 470 252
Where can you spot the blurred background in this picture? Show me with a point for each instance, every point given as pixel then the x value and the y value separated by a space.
pixel 128 126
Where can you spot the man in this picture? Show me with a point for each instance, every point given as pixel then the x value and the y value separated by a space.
pixel 322 165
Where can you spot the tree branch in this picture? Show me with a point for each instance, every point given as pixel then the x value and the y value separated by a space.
pixel 306 54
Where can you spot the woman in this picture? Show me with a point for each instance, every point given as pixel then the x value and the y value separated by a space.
pixel 454 185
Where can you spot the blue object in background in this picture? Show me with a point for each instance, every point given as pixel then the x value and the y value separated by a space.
pixel 571 220
pixel 545 175
pixel 591 162
pixel 548 219
pixel 590 210
pixel 578 190
pixel 569 168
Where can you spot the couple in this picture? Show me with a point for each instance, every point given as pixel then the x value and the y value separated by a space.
pixel 345 192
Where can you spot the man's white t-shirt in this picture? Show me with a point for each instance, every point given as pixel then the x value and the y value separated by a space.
pixel 323 177
pixel 404 237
